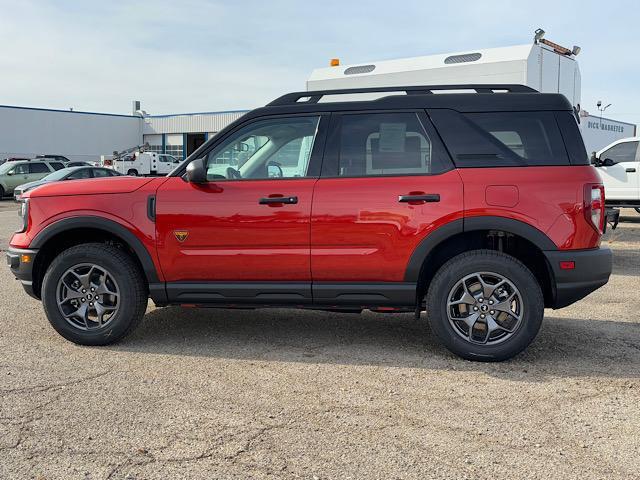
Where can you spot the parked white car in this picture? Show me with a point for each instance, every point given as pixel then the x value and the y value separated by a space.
pixel 619 168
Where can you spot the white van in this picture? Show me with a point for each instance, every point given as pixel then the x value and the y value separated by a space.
pixel 619 167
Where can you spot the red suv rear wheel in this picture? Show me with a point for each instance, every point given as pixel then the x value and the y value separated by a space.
pixel 485 305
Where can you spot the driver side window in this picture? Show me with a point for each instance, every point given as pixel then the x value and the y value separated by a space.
pixel 622 152
pixel 266 149
pixel 21 169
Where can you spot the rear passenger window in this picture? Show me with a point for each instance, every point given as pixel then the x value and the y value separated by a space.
pixel 56 165
pixel 498 139
pixel 383 144
pixel 38 168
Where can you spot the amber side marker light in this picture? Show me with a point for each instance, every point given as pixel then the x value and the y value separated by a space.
pixel 335 62
pixel 25 258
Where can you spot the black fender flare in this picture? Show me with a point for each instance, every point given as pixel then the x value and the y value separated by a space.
pixel 109 226
pixel 470 224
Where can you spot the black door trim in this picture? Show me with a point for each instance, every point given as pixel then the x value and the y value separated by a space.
pixel 250 293
pixel 347 294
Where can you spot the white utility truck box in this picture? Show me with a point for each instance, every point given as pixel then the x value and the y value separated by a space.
pixel 537 65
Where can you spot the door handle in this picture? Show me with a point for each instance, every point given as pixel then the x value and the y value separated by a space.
pixel 419 198
pixel 630 170
pixel 278 200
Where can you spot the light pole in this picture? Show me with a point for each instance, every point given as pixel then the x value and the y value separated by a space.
pixel 602 109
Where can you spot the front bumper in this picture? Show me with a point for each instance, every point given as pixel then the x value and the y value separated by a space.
pixel 591 271
pixel 20 261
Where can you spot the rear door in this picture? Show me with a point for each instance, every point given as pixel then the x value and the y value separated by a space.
pixel 386 184
pixel 620 171
pixel 38 170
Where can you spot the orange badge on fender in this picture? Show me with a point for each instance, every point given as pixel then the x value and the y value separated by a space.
pixel 181 235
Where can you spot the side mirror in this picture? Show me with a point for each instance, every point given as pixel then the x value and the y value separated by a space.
pixel 196 172
pixel 608 162
pixel 10 173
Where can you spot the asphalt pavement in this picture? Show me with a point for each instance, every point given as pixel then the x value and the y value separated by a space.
pixel 206 393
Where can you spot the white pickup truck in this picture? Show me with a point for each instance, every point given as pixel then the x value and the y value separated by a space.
pixel 619 168
pixel 146 163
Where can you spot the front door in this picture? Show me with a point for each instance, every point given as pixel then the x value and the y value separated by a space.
pixel 620 171
pixel 19 175
pixel 386 183
pixel 250 222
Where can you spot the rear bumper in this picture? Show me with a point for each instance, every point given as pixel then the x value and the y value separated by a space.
pixel 21 268
pixel 592 270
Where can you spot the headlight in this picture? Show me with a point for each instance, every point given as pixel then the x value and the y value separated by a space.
pixel 24 215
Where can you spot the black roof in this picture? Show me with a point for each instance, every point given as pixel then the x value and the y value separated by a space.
pixel 487 98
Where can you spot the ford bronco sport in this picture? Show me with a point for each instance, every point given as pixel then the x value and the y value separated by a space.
pixel 480 208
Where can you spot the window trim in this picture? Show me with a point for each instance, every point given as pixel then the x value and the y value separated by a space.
pixel 331 162
pixel 315 161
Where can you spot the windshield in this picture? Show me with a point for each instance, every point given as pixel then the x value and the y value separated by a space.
pixel 5 167
pixel 60 174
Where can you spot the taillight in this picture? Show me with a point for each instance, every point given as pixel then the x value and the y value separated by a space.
pixel 594 206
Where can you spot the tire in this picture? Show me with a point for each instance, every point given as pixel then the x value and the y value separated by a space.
pixel 132 172
pixel 1 192
pixel 637 209
pixel 449 284
pixel 122 276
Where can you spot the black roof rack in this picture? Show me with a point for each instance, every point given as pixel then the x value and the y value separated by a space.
pixel 315 96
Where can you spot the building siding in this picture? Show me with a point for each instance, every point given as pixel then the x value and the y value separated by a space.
pixel 27 132
pixel 190 123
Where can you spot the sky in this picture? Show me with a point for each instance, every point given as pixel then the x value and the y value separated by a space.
pixel 211 55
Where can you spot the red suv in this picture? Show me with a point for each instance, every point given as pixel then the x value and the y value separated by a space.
pixel 480 208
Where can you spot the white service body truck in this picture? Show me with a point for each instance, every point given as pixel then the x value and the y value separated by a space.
pixel 542 65
pixel 536 65
pixel 145 163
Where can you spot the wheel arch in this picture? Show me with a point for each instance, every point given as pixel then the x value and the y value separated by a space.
pixel 60 235
pixel 519 239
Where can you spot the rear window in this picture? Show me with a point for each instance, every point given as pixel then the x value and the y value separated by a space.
pixel 495 139
pixel 572 138
pixel 38 168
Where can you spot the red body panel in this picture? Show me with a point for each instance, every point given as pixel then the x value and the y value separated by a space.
pixel 93 186
pixel 122 200
pixel 360 231
pixel 230 235
pixel 550 199
pixel 341 229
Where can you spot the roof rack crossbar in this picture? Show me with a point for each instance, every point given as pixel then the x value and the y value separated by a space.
pixel 315 96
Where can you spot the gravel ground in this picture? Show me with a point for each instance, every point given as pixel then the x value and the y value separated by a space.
pixel 299 394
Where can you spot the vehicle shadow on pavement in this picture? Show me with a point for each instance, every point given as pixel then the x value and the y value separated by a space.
pixel 563 348
pixel 630 218
pixel 626 262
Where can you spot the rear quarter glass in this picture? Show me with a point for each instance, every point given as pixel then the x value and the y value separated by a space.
pixel 501 139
